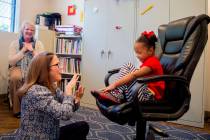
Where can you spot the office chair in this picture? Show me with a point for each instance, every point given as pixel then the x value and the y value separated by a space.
pixel 182 42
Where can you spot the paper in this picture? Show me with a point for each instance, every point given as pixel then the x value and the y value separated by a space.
pixel 81 16
pixel 71 10
pixel 147 9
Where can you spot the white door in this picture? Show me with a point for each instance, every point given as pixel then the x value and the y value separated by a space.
pixel 180 8
pixel 152 19
pixel 105 46
pixel 94 45
pixel 121 32
pixel 156 16
pixel 195 115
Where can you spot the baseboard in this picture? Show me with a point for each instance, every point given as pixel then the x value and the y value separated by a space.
pixel 3 95
pixel 207 116
pixel 3 92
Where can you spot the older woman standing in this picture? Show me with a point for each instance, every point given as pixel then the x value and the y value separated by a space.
pixel 21 52
pixel 44 104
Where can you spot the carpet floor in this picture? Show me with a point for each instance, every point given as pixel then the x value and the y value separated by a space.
pixel 103 129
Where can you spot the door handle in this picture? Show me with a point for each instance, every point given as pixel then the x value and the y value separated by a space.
pixel 109 53
pixel 102 53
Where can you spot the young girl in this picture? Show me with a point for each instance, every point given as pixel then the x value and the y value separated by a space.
pixel 117 92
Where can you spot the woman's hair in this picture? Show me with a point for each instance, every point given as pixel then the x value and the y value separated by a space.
pixel 38 73
pixel 149 38
pixel 24 24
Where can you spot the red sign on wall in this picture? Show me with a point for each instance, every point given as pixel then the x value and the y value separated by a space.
pixel 71 10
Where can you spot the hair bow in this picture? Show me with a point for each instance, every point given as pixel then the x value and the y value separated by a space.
pixel 148 34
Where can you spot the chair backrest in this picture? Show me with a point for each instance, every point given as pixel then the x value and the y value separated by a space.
pixel 182 43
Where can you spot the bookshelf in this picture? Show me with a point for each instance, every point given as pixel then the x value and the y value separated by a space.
pixel 68 48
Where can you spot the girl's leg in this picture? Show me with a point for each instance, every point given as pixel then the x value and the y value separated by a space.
pixel 117 95
pixel 124 70
pixel 144 94
pixel 74 131
pixel 120 92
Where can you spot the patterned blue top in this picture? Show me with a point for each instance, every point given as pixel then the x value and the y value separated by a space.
pixel 41 112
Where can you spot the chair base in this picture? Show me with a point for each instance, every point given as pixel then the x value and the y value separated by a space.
pixel 142 134
pixel 141 130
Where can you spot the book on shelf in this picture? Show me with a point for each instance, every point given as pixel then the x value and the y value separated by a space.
pixel 70 65
pixel 69 51
pixel 69 29
pixel 66 46
pixel 65 81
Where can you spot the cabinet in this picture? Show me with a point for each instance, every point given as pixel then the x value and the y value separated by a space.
pixel 158 15
pixel 195 115
pixel 69 51
pixel 109 34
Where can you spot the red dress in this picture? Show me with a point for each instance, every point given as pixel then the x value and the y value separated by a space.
pixel 157 87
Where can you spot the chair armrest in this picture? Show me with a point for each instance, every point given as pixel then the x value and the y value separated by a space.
pixel 113 71
pixel 110 73
pixel 172 115
pixel 164 78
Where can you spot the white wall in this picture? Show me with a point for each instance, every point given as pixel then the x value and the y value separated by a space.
pixel 61 6
pixel 5 39
pixel 28 9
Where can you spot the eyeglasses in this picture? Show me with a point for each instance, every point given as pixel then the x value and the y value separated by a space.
pixel 57 65
pixel 54 65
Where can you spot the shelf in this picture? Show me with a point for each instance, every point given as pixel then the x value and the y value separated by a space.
pixel 69 55
pixel 69 36
pixel 69 75
pixel 69 51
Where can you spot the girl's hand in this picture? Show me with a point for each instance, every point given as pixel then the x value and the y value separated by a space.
pixel 79 93
pixel 109 88
pixel 71 85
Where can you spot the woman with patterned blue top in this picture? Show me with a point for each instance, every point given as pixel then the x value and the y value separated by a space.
pixel 21 51
pixel 43 104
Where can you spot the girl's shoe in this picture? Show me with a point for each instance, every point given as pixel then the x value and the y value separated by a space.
pixel 114 97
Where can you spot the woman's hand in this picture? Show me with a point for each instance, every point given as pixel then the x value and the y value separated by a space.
pixel 28 46
pixel 79 93
pixel 24 49
pixel 71 85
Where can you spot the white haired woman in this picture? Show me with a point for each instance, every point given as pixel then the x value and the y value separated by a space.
pixel 21 51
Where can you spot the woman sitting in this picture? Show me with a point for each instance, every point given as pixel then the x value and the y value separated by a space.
pixel 21 52
pixel 44 104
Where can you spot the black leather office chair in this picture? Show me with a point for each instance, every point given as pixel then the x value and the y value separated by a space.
pixel 182 43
